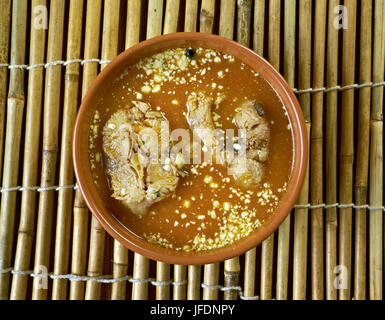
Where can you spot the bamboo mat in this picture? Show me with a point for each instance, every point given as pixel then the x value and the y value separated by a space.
pixel 330 246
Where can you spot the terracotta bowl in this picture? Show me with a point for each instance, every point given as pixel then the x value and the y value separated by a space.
pixel 82 163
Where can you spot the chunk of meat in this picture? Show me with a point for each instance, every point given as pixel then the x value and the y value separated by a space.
pixel 200 120
pixel 199 117
pixel 161 180
pixel 133 143
pixel 126 181
pixel 250 116
pixel 246 172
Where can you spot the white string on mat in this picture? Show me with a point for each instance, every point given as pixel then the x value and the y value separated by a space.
pixel 100 61
pixel 39 189
pixel 52 63
pixel 340 88
pixel 339 206
pixel 109 279
pixel 17 66
pixel 230 288
pixel 297 206
pixel 89 60
pixel 101 279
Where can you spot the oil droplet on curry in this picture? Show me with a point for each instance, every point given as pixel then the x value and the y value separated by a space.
pixel 180 202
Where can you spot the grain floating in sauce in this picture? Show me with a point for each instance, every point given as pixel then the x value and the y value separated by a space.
pixel 208 210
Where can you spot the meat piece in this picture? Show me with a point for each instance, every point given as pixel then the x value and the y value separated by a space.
pixel 250 116
pixel 118 132
pixel 246 172
pixel 161 180
pixel 200 119
pixel 126 181
pixel 132 143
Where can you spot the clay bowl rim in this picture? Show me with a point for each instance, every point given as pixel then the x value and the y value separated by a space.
pixel 83 171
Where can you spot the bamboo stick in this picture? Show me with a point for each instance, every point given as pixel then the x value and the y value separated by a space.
pixel 108 261
pixel 50 143
pixel 232 270
pixel 244 16
pixel 15 106
pixel 171 16
pixel 190 20
pixel 98 235
pixel 259 26
pixel 258 44
pixel 274 33
pixel 331 153
pixel 301 214
pixel 5 19
pixel 120 266
pixel 179 290
pixel 140 287
pixel 347 148
pixel 66 176
pixel 154 18
pixel 95 259
pixel 227 13
pixel 30 164
pixel 376 158
pixel 120 263
pixel 289 74
pixel 170 26
pixel 81 213
pixel 231 266
pixel 141 264
pixel 274 58
pixel 249 273
pixel 193 288
pixel 193 285
pixel 362 165
pixel 206 16
pixel 193 281
pixel 316 156
pixel 289 42
pixel 211 271
pixel 133 22
pixel 210 278
pixel 163 269
pixel 79 246
pixel 162 274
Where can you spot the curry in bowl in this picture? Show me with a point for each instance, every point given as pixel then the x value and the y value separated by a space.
pixel 191 149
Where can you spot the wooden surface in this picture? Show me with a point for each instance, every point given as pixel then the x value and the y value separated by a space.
pixel 329 247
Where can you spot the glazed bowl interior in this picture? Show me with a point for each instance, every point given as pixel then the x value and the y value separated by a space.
pixel 82 162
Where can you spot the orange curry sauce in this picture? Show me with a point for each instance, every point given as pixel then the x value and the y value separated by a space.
pixel 209 210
